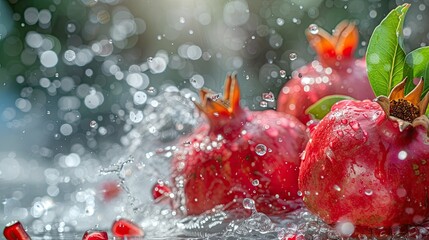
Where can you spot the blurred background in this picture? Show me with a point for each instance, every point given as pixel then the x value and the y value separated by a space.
pixel 76 76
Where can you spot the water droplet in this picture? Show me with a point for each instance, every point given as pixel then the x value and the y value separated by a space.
pixel 248 203
pixel 261 149
pixel 355 125
pixel 282 73
pixel 93 124
pixel 255 182
pixel 402 155
pixel 263 104
pixel 150 59
pixel 280 21
pixel 313 28
pixel 368 192
pixel 299 193
pixel 269 96
pixel 337 188
pixel 293 56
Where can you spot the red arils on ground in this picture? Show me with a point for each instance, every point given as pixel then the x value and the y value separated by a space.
pixel 336 72
pixel 95 235
pixel 160 191
pixel 110 190
pixel 15 231
pixel 238 154
pixel 126 228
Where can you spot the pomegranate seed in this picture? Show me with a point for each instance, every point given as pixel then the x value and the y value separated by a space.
pixel 15 231
pixel 160 191
pixel 110 190
pixel 126 228
pixel 95 235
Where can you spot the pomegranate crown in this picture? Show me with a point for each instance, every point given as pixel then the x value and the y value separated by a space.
pixel 334 48
pixel 217 107
pixel 409 109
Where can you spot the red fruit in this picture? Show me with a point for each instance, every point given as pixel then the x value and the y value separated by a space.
pixel 110 190
pixel 367 168
pixel 335 72
pixel 15 231
pixel 238 154
pixel 95 235
pixel 126 228
pixel 160 191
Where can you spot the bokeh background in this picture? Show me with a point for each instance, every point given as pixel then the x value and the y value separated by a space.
pixel 77 75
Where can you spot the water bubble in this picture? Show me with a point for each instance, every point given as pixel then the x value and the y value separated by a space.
pixel 69 55
pixel 93 124
pixel 255 182
pixel 368 192
pixel 293 56
pixel 139 98
pixel 248 203
pixel 269 96
pixel 263 104
pixel 337 188
pixel 402 155
pixel 282 73
pixel 197 81
pixel 313 28
pixel 49 59
pixel 345 228
pixel 261 149
pixel 136 117
pixel 280 21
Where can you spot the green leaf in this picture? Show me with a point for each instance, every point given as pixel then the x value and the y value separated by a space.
pixel 385 56
pixel 416 65
pixel 322 107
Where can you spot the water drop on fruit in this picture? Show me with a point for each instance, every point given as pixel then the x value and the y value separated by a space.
pixel 95 235
pixel 126 228
pixel 15 231
pixel 293 56
pixel 248 203
pixel 337 188
pixel 402 155
pixel 255 182
pixel 368 192
pixel 261 149
pixel 313 28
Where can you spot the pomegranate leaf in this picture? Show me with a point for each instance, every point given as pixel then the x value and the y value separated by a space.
pixel 385 55
pixel 416 66
pixel 323 106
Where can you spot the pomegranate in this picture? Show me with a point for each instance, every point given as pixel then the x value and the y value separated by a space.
pixel 95 235
pixel 238 154
pixel 367 163
pixel 125 228
pixel 15 231
pixel 335 72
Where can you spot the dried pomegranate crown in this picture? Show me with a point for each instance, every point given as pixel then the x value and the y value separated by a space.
pixel 223 110
pixel 409 109
pixel 331 49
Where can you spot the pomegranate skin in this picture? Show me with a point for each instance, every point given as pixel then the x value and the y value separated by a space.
pixel 359 167
pixel 335 72
pixel 316 81
pixel 239 154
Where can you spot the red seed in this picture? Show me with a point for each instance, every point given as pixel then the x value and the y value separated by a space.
pixel 110 190
pixel 15 231
pixel 126 228
pixel 95 235
pixel 160 191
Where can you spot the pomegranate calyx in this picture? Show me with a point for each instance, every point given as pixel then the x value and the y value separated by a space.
pixel 336 48
pixel 407 110
pixel 220 110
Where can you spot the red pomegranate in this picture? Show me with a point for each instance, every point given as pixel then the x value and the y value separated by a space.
pixel 367 163
pixel 335 72
pixel 238 154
